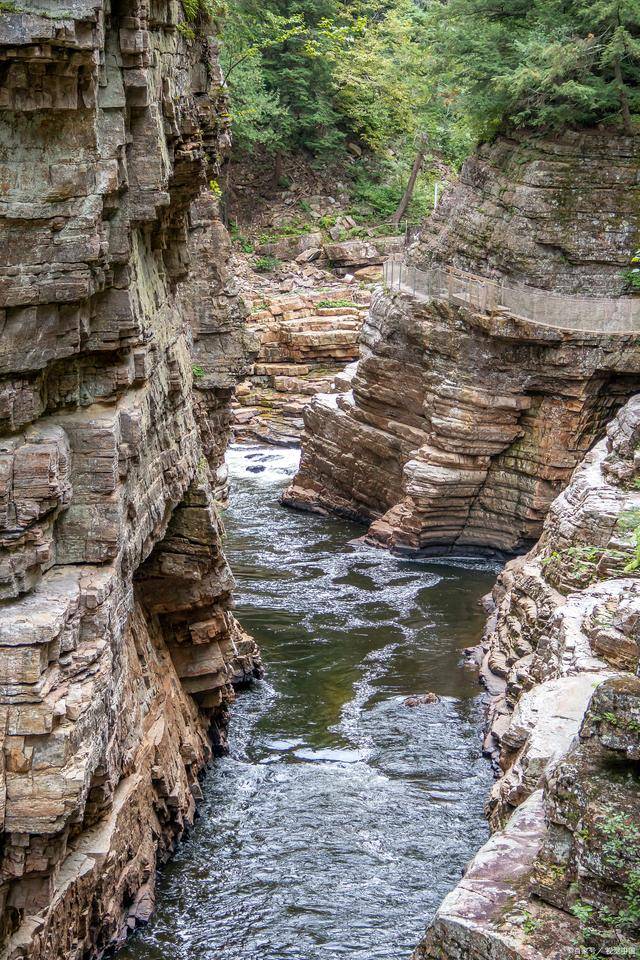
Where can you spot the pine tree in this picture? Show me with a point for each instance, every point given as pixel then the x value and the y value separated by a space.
pixel 544 63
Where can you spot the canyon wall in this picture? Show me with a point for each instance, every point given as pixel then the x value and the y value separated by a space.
pixel 560 213
pixel 560 876
pixel 118 653
pixel 461 427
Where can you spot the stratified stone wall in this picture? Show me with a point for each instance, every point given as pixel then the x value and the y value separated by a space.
pixel 561 214
pixel 461 428
pixel 118 654
pixel 559 878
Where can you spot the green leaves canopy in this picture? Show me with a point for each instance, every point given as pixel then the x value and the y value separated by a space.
pixel 540 63
pixel 308 74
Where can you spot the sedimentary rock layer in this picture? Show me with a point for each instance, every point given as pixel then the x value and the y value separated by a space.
pixel 459 430
pixel 562 655
pixel 560 214
pixel 305 339
pixel 118 653
pixel 461 427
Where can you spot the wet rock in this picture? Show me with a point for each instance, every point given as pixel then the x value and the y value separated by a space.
pixel 564 727
pixel 422 700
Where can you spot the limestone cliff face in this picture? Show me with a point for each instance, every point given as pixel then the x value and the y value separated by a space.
pixel 461 427
pixel 118 653
pixel 560 214
pixel 562 661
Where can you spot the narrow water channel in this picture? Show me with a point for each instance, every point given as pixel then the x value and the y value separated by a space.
pixel 341 816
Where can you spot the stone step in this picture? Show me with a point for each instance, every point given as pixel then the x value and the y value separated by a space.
pixel 322 323
pixel 280 370
pixel 338 311
pixel 322 338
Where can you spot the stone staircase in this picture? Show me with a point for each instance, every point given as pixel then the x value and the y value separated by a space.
pixel 305 341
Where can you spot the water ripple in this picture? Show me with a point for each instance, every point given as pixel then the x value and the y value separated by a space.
pixel 341 816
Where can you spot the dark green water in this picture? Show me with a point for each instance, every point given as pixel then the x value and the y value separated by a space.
pixel 342 816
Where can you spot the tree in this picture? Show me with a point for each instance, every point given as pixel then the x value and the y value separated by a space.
pixel 413 177
pixel 540 63
pixel 280 85
pixel 312 75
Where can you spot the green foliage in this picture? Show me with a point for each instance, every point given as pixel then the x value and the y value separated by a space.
pixel 583 911
pixel 541 63
pixel 379 184
pixel 634 563
pixel 276 79
pixel 620 838
pixel 339 302
pixel 265 264
pixel 629 523
pixel 628 723
pixel 292 228
pixel 244 243
pixel 629 519
pixel 197 371
pixel 187 31
pixel 313 75
pixel 529 924
pixel 201 9
pixel 632 275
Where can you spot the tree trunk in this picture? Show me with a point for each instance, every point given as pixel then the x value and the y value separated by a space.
pixel 415 170
pixel 624 101
pixel 276 176
pixel 225 186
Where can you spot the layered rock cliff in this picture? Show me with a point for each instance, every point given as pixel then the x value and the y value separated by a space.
pixel 560 876
pixel 462 426
pixel 306 340
pixel 118 653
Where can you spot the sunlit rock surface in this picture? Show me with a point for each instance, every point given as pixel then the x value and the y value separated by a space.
pixel 461 428
pixel 117 651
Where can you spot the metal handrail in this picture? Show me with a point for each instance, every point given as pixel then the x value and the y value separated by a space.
pixel 586 314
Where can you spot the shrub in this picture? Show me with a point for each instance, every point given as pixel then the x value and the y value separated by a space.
pixel 265 264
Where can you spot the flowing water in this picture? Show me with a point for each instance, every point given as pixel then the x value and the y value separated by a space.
pixel 341 816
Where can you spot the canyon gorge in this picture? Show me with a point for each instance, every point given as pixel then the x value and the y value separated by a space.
pixel 469 481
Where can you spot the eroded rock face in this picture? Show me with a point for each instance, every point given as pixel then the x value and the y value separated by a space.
pixel 562 658
pixel 118 653
pixel 559 214
pixel 457 434
pixel 461 428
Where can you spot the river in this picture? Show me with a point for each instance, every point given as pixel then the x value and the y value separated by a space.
pixel 341 816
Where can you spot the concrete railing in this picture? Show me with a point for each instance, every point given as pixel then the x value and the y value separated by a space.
pixel 587 314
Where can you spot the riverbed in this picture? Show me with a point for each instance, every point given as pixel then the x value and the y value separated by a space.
pixel 341 816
